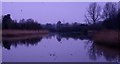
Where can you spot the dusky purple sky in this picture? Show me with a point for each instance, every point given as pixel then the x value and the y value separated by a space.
pixel 47 12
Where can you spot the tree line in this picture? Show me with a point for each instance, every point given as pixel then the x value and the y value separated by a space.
pixel 29 24
pixel 109 15
pixel 96 18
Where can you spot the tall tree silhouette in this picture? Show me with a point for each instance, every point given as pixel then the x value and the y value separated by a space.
pixel 111 15
pixel 110 10
pixel 7 21
pixel 93 13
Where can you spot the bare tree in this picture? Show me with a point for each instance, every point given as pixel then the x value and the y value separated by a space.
pixel 119 7
pixel 93 13
pixel 110 10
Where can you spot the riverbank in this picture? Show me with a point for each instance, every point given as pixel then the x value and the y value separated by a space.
pixel 22 32
pixel 107 37
pixel 104 37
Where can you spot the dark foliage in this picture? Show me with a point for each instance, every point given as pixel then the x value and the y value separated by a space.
pixel 111 16
pixel 112 23
pixel 8 43
pixel 29 24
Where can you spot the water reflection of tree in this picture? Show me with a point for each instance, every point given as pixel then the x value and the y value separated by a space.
pixel 8 43
pixel 50 35
pixel 110 54
pixel 58 38
pixel 74 36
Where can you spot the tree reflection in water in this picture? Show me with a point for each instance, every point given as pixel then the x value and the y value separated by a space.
pixel 109 53
pixel 8 43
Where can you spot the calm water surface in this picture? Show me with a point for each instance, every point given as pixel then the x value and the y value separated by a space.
pixel 57 48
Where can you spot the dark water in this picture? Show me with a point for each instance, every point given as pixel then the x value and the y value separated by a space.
pixel 63 47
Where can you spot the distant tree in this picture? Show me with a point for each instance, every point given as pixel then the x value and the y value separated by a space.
pixel 59 22
pixel 111 15
pixel 118 14
pixel 59 26
pixel 110 10
pixel 67 24
pixel 29 24
pixel 93 13
pixel 119 11
pixel 75 23
pixel 22 21
pixel 7 22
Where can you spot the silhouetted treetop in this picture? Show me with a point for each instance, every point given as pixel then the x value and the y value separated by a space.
pixel 93 13
pixel 110 15
pixel 29 24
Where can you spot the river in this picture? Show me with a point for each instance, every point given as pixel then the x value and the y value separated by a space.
pixel 57 48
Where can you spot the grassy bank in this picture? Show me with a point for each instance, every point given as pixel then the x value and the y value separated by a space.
pixel 22 32
pixel 23 37
pixel 110 37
